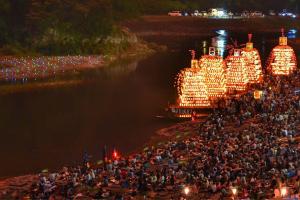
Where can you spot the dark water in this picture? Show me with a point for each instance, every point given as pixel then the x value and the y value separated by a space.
pixel 114 106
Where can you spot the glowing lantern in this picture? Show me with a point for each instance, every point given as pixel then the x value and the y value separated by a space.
pixel 257 94
pixel 254 67
pixel 214 74
pixel 282 60
pixel 191 87
pixel 194 62
pixel 236 72
pixel 186 190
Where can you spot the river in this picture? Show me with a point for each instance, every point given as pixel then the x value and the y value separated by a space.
pixel 114 106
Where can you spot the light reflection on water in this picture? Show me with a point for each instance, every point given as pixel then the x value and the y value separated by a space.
pixel 292 34
pixel 219 42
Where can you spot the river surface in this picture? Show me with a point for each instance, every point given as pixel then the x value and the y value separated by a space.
pixel 114 106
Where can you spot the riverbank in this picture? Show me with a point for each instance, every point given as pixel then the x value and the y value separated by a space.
pixel 177 132
pixel 23 73
pixel 149 26
pixel 182 133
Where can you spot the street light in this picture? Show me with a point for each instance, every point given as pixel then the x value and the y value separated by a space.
pixel 234 191
pixel 283 191
pixel 186 190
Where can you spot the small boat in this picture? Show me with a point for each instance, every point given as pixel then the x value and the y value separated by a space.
pixel 180 112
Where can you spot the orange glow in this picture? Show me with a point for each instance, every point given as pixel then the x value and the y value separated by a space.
pixel 254 67
pixel 257 94
pixel 191 88
pixel 115 154
pixel 214 75
pixel 236 72
pixel 282 60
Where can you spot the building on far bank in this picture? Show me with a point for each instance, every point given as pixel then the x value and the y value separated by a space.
pixel 218 12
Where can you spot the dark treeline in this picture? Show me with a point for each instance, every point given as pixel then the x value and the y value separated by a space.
pixel 63 26
pixel 84 26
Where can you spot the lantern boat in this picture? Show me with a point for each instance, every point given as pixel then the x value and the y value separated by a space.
pixel 254 67
pixel 236 73
pixel 213 67
pixel 282 60
pixel 192 92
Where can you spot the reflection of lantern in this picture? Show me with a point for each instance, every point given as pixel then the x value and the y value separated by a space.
pixel 214 74
pixel 282 60
pixel 253 62
pixel 257 94
pixel 236 72
pixel 191 88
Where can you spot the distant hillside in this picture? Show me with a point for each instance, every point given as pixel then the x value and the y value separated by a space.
pixel 56 27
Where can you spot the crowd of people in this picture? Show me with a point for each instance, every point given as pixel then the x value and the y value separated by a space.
pixel 249 145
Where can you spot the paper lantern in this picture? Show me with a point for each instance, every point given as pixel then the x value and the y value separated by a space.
pixel 213 67
pixel 257 94
pixel 282 60
pixel 254 68
pixel 236 72
pixel 191 88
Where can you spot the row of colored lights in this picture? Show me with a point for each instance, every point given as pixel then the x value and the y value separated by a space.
pixel 24 68
pixel 211 82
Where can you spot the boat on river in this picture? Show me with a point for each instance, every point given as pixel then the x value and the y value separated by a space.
pixel 179 112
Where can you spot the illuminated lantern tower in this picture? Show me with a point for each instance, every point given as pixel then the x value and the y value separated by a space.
pixel 236 72
pixel 213 67
pixel 254 67
pixel 282 60
pixel 194 62
pixel 191 88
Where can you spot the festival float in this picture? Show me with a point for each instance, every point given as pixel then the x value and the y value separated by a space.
pixel 213 67
pixel 236 72
pixel 254 68
pixel 282 60
pixel 192 91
